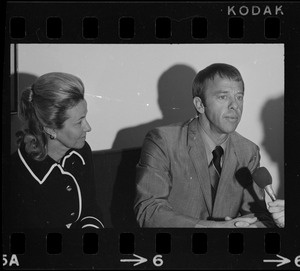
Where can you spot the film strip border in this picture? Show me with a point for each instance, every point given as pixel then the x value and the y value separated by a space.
pixel 147 22
pixel 118 22
pixel 149 249
pixel 127 28
pixel 163 240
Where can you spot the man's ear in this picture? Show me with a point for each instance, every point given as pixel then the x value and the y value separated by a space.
pixel 199 105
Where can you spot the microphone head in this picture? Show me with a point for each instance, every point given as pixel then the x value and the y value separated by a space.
pixel 262 177
pixel 244 177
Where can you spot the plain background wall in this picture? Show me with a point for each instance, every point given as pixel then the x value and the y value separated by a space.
pixel 132 88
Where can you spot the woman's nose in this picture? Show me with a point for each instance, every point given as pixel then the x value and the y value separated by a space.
pixel 87 127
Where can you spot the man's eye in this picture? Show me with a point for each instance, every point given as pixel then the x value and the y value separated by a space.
pixel 240 98
pixel 223 97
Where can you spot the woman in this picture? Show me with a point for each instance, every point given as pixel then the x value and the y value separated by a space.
pixel 52 173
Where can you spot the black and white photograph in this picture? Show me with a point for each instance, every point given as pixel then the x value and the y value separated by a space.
pixel 150 135
pixel 139 109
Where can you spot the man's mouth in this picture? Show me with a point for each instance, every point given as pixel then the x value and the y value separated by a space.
pixel 232 118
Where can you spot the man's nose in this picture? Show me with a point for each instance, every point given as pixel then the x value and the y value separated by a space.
pixel 233 103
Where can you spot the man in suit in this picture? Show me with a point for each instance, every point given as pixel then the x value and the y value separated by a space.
pixel 187 173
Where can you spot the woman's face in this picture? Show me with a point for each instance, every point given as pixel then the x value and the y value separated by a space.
pixel 73 133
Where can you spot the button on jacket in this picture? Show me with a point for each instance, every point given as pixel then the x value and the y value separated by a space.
pixel 47 194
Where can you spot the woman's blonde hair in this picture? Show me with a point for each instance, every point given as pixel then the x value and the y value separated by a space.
pixel 44 104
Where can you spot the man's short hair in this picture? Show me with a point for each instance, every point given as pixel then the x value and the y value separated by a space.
pixel 221 69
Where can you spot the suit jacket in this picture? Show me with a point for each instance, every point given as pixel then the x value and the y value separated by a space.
pixel 173 181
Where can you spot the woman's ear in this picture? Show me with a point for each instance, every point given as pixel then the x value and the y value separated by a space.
pixel 199 105
pixel 49 131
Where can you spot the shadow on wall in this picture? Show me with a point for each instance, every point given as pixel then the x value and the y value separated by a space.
pixel 175 102
pixel 272 117
pixel 24 80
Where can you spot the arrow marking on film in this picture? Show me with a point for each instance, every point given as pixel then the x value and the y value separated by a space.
pixel 281 261
pixel 137 261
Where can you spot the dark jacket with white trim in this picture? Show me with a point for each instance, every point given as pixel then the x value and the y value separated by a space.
pixel 46 194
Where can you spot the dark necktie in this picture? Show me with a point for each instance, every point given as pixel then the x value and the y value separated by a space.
pixel 217 154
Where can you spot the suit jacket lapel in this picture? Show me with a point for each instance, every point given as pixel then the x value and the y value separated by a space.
pixel 198 157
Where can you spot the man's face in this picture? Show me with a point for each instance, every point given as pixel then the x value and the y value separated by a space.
pixel 223 105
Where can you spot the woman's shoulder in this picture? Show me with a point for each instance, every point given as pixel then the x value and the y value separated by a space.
pixel 85 151
pixel 15 157
pixel 17 170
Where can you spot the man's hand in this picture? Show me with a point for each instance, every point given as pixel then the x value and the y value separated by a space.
pixel 276 208
pixel 239 222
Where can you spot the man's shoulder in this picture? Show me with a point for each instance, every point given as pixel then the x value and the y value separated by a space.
pixel 170 129
pixel 172 135
pixel 237 138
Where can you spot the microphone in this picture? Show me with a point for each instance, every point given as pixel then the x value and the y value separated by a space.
pixel 245 179
pixel 262 177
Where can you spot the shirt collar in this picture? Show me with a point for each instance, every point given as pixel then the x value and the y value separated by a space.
pixel 210 145
pixel 40 170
